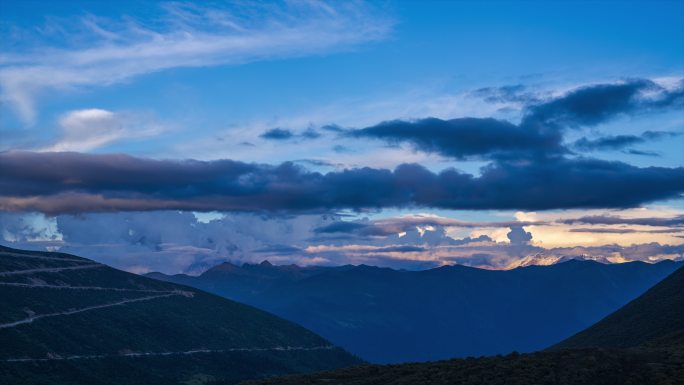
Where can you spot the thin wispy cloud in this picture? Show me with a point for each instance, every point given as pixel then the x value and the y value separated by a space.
pixel 616 142
pixel 89 129
pixel 188 35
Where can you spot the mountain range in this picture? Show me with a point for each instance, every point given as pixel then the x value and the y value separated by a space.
pixel 655 319
pixel 640 344
pixel 70 320
pixel 391 316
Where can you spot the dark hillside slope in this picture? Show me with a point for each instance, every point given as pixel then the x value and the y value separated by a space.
pixel 565 367
pixel 69 320
pixel 653 319
pixel 640 344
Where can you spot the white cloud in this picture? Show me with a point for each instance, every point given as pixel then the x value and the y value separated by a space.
pixel 188 36
pixel 551 232
pixel 88 129
pixel 175 242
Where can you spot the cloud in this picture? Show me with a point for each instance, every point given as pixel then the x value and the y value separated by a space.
pixel 397 225
pixel 540 133
pixel 285 134
pixel 552 231
pixel 279 249
pixel 77 182
pixel 598 103
pixel 677 220
pixel 101 52
pixel 399 249
pixel 618 142
pixel 317 162
pixel 341 227
pixel 310 133
pixel 88 129
pixel 607 142
pixel 175 242
pixel 642 153
pixel 517 93
pixel 168 241
pixel 27 227
pixel 518 236
pixel 647 252
pixel 277 134
pixel 623 231
pixel 467 137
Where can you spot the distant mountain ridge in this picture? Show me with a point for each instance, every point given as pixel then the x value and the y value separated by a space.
pixel 70 320
pixel 547 260
pixel 387 316
pixel 642 343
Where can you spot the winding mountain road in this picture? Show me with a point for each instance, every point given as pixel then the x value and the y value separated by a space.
pixel 66 287
pixel 17 255
pixel 158 294
pixel 81 310
pixel 187 352
pixel 49 269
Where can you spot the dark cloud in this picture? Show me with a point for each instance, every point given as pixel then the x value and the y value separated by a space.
pixel 512 93
pixel 341 227
pixel 277 134
pixel 332 128
pixel 654 135
pixel 595 104
pixel 359 229
pixel 613 220
pixel 279 249
pixel 466 137
pixel 317 162
pixel 284 134
pixel 540 133
pixel 607 142
pixel 399 249
pixel 623 231
pixel 310 133
pixel 573 183
pixel 75 182
pixel 518 236
pixel 632 151
pixel 621 141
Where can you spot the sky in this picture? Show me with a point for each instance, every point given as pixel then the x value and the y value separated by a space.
pixel 173 136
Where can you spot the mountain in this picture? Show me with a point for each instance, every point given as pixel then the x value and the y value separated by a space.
pixel 542 259
pixel 69 320
pixel 654 319
pixel 242 283
pixel 640 344
pixel 391 316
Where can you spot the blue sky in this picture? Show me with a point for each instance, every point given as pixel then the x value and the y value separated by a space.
pixel 208 81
